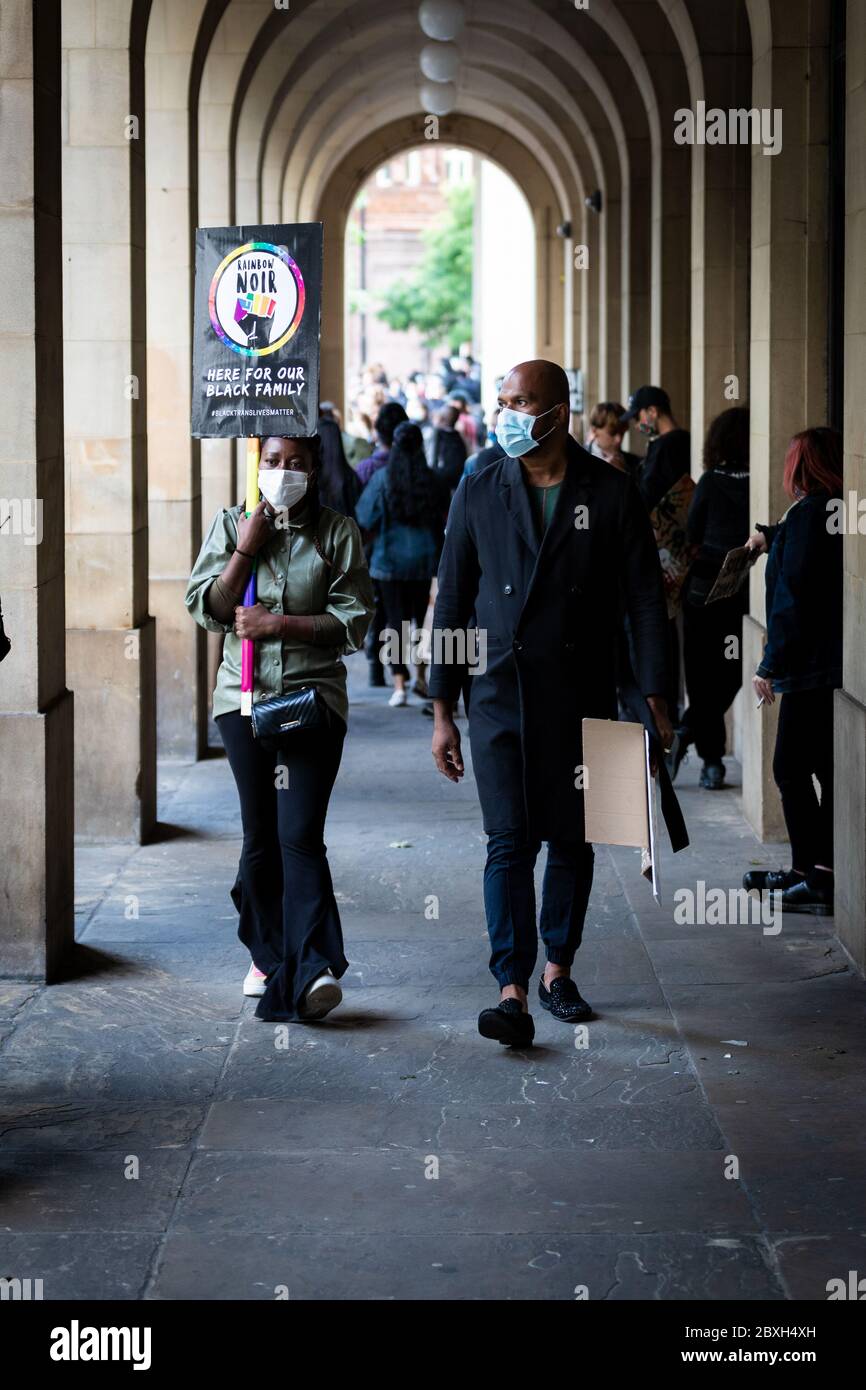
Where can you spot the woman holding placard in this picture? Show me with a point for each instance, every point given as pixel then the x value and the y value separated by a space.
pixel 315 602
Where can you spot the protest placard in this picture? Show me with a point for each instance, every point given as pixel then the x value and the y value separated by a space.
pixel 256 332
pixel 258 293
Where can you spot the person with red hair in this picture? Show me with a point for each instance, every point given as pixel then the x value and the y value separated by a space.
pixel 802 662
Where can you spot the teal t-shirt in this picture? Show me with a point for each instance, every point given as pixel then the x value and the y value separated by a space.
pixel 543 500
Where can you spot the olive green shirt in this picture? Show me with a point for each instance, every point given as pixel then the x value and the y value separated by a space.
pixel 544 500
pixel 291 577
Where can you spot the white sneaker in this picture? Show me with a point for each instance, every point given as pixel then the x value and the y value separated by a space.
pixel 323 995
pixel 254 982
pixel 398 699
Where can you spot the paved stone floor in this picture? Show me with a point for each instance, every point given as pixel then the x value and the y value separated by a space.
pixel 160 1142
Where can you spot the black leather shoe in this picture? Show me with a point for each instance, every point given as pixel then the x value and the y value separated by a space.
pixel 712 777
pixel 771 880
pixel 679 749
pixel 508 1024
pixel 808 897
pixel 563 1000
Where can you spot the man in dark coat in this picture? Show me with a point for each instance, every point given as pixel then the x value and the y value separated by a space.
pixel 538 549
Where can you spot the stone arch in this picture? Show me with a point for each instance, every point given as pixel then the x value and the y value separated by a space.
pixel 345 179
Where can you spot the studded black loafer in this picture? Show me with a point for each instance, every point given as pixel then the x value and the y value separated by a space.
pixel 563 1000
pixel 508 1024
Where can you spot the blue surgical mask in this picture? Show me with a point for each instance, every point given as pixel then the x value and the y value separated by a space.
pixel 514 431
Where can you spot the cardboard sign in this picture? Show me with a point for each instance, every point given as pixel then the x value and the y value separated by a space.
pixel 258 294
pixel 733 574
pixel 676 552
pixel 620 791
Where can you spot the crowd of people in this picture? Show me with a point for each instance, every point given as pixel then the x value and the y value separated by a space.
pixel 421 436
pixel 367 502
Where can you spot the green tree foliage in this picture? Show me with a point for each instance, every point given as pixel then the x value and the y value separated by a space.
pixel 437 298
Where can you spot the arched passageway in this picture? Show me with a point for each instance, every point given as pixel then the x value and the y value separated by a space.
pixel 728 271
pixel 707 266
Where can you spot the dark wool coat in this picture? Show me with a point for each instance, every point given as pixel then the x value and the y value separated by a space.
pixel 551 614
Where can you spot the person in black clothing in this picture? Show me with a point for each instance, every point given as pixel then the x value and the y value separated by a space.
pixel 339 484
pixel 802 662
pixel 669 453
pixel 546 595
pixel 665 484
pixel 718 521
pixel 449 449
pixel 390 415
pixel 404 505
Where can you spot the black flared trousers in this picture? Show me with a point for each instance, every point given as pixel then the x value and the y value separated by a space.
pixel 714 669
pixel 289 919
pixel 804 748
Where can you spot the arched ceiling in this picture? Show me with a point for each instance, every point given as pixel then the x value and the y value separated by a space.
pixel 594 84
pixel 462 130
pixel 580 78
pixel 282 100
pixel 519 135
pixel 489 95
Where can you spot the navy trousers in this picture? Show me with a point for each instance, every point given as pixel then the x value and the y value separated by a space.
pixel 509 901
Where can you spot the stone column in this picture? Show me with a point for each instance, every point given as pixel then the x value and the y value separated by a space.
pixel 850 798
pixel 36 735
pixel 174 471
pixel 110 638
pixel 616 296
pixel 640 275
pixel 586 304
pixel 720 251
pixel 788 377
pixel 669 345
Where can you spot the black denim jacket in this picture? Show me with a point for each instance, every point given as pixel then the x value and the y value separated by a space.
pixel 804 600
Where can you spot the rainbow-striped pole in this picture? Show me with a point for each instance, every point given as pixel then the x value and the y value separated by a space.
pixel 248 649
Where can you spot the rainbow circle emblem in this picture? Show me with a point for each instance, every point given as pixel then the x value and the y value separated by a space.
pixel 256 298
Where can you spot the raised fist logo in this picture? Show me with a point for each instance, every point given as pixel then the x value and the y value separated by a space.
pixel 254 316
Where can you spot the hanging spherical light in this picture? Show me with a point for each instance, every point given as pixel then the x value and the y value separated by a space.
pixel 438 98
pixel 442 19
pixel 439 61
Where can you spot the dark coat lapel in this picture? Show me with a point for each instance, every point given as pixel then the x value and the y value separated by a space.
pixel 515 497
pixel 577 491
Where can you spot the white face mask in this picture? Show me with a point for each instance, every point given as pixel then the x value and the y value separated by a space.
pixel 282 487
pixel 514 431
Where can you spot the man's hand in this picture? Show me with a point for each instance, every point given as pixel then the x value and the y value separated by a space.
pixel 446 742
pixel 764 690
pixel 659 710
pixel 256 622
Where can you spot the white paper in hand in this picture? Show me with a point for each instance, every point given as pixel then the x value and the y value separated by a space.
pixel 619 792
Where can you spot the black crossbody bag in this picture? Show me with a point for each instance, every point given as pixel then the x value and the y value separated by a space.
pixel 277 719
pixel 282 717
